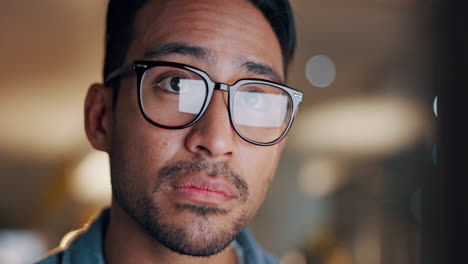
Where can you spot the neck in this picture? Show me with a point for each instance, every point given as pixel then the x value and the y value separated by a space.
pixel 126 241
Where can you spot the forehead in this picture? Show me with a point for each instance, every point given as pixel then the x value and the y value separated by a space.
pixel 229 29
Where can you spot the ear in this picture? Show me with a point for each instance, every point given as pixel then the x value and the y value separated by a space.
pixel 98 116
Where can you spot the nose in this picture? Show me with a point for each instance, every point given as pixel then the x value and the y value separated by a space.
pixel 213 136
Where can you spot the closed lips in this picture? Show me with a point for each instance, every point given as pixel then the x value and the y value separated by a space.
pixel 203 182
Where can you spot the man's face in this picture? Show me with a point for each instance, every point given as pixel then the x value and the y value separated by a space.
pixel 194 189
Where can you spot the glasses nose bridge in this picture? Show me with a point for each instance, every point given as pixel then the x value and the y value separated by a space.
pixel 221 86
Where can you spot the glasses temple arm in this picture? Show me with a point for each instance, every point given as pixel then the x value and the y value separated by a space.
pixel 120 71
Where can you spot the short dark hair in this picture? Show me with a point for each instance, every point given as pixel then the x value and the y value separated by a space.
pixel 120 29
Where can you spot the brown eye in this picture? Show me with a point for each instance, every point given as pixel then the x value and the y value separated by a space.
pixel 171 84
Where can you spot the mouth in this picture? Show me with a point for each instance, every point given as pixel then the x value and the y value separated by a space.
pixel 202 189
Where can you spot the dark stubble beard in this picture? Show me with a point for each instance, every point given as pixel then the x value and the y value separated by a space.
pixel 201 239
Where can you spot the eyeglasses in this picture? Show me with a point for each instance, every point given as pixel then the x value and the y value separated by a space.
pixel 175 96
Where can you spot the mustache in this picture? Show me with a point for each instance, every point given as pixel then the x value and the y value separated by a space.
pixel 172 171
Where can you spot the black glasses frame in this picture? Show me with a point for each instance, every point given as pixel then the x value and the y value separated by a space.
pixel 141 66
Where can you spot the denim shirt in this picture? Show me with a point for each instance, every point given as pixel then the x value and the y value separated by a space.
pixel 87 248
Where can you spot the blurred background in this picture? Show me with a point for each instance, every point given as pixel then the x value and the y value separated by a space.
pixel 349 187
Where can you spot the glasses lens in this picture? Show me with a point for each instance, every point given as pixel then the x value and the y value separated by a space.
pixel 172 96
pixel 261 112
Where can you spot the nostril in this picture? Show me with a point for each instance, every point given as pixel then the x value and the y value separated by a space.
pixel 202 148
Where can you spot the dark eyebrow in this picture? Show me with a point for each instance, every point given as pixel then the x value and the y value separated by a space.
pixel 262 69
pixel 166 49
pixel 169 48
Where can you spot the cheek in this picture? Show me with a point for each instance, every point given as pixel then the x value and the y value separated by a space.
pixel 136 162
pixel 259 169
pixel 133 131
pixel 140 149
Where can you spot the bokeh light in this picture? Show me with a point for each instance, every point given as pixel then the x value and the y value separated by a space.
pixel 319 177
pixel 90 182
pixel 19 247
pixel 361 126
pixel 320 71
